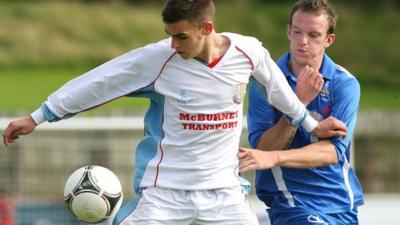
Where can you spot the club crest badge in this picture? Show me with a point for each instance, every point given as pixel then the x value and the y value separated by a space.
pixel 324 92
pixel 183 97
pixel 240 93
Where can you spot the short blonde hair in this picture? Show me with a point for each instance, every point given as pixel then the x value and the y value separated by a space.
pixel 316 7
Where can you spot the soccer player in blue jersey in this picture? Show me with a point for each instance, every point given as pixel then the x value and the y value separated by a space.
pixel 311 181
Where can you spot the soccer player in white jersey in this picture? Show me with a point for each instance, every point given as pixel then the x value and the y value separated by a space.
pixel 186 169
pixel 312 182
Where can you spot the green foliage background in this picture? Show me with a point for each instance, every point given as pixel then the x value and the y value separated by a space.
pixel 43 44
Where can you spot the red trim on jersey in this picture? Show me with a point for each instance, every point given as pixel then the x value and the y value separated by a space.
pixel 158 164
pixel 162 124
pixel 215 62
pixel 131 91
pixel 247 56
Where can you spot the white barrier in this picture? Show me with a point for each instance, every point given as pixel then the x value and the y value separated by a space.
pixel 91 123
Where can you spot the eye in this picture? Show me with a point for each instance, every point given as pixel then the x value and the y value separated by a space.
pixel 296 31
pixel 314 35
pixel 181 37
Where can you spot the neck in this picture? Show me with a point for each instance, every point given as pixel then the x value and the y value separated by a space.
pixel 214 47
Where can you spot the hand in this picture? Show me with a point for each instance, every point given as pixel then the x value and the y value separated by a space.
pixel 16 128
pixel 253 159
pixel 330 127
pixel 309 84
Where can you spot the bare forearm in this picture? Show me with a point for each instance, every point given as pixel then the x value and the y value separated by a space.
pixel 318 154
pixel 279 136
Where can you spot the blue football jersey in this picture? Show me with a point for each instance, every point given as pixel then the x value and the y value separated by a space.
pixel 331 189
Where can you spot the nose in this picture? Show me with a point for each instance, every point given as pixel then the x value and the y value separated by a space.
pixel 174 44
pixel 303 39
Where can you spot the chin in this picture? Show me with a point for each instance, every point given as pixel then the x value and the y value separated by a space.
pixel 184 56
pixel 303 59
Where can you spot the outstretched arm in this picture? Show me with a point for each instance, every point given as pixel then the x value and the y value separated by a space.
pixel 121 76
pixel 318 154
pixel 16 128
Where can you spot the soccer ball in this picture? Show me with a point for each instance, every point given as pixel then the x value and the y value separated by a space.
pixel 93 194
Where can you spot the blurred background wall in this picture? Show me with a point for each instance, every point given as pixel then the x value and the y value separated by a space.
pixel 43 44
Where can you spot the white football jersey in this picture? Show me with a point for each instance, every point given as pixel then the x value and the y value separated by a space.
pixel 194 122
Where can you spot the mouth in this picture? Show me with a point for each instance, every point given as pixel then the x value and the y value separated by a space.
pixel 303 52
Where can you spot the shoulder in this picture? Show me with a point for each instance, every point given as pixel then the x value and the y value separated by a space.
pixel 344 85
pixel 251 46
pixel 159 49
pixel 345 78
pixel 243 40
pixel 147 57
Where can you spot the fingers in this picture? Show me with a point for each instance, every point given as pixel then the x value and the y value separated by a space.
pixel 6 134
pixel 334 133
pixel 320 83
pixel 342 134
pixel 243 151
pixel 304 72
pixel 246 160
pixel 338 125
pixel 341 130
pixel 331 127
pixel 11 133
pixel 309 84
pixel 247 164
pixel 243 155
pixel 246 168
pixel 5 141
pixel 16 128
pixel 310 73
pixel 316 79
pixel 9 138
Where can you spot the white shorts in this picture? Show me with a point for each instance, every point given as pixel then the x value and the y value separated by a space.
pixel 158 206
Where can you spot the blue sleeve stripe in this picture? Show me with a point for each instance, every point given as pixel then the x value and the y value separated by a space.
pixel 51 117
pixel 298 123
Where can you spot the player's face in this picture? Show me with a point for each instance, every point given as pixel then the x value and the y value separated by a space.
pixel 186 38
pixel 309 38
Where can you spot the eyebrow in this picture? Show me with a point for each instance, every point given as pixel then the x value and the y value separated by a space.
pixel 175 35
pixel 311 32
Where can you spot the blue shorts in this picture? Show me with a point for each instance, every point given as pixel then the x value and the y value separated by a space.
pixel 305 217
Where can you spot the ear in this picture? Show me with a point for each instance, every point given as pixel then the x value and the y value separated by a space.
pixel 330 39
pixel 208 27
pixel 288 30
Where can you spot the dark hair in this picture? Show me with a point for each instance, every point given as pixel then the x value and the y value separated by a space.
pixel 194 11
pixel 316 7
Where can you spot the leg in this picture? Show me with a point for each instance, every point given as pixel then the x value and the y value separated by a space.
pixel 156 206
pixel 227 206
